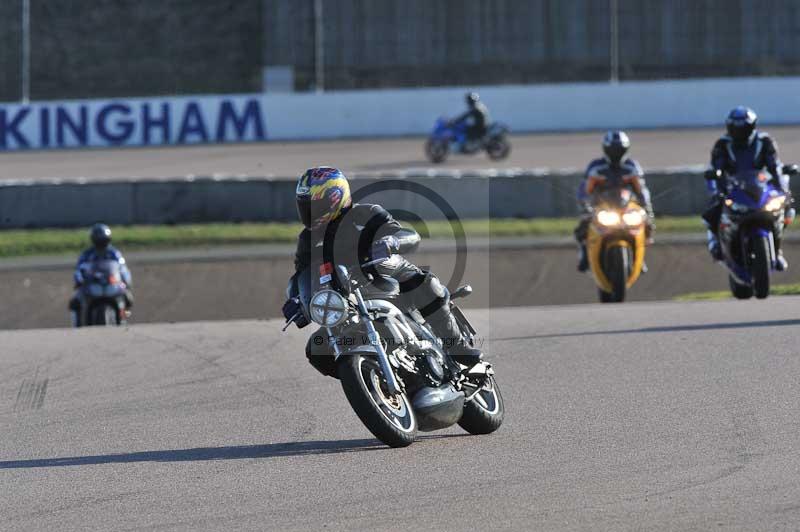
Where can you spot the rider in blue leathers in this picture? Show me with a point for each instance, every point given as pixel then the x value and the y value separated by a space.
pixel 743 148
pixel 101 250
pixel 611 171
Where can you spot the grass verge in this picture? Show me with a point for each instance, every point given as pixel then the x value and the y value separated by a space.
pixel 16 243
pixel 777 290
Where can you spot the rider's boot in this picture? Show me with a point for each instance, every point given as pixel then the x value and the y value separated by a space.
pixel 75 312
pixel 781 264
pixel 583 258
pixel 714 247
pixel 446 327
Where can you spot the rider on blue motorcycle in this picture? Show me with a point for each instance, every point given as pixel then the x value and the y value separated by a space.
pixel 476 117
pixel 743 148
pixel 610 171
pixel 338 231
pixel 101 250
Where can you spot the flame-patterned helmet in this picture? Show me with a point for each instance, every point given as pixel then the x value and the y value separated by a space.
pixel 322 193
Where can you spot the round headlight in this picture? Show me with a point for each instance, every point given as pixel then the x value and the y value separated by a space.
pixel 328 308
pixel 633 218
pixel 608 218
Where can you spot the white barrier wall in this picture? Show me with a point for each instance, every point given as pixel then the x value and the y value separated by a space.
pixel 255 117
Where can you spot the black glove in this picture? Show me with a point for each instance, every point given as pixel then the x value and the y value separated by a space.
pixel 384 248
pixel 292 308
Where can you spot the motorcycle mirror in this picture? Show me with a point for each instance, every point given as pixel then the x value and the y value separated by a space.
pixel 712 174
pixel 790 169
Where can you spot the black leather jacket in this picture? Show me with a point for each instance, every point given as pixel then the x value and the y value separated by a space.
pixel 348 239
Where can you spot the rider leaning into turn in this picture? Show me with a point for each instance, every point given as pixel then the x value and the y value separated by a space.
pixel 101 250
pixel 476 117
pixel 339 231
pixel 608 172
pixel 743 148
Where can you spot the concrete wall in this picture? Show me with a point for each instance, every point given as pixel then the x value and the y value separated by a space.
pixel 209 200
pixel 373 113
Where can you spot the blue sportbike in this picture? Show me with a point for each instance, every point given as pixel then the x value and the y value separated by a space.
pixel 448 137
pixel 754 211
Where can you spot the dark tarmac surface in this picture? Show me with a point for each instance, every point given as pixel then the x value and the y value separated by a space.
pixel 646 416
pixel 653 148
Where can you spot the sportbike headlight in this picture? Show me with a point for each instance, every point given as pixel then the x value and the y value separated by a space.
pixel 775 203
pixel 608 218
pixel 328 308
pixel 633 218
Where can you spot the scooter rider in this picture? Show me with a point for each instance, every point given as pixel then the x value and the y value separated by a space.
pixel 476 117
pixel 612 170
pixel 342 232
pixel 743 148
pixel 101 250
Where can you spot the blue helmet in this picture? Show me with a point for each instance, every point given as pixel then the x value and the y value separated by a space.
pixel 741 123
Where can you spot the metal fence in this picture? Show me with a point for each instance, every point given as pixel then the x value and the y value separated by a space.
pixel 102 48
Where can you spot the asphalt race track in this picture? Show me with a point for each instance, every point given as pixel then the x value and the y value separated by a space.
pixel 222 287
pixel 646 416
pixel 653 148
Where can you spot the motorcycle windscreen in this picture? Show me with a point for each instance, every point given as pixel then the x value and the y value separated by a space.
pixel 754 184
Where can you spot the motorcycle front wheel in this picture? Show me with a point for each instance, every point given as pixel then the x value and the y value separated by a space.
pixel 436 150
pixel 104 315
pixel 389 418
pixel 760 267
pixel 484 413
pixel 498 148
pixel 616 268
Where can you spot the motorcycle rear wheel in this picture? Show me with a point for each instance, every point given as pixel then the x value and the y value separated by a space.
pixel 484 413
pixel 436 150
pixel 740 291
pixel 390 419
pixel 498 148
pixel 760 267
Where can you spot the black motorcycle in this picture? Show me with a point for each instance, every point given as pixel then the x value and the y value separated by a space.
pixel 393 370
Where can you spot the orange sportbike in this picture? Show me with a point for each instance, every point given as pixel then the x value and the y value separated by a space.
pixel 616 242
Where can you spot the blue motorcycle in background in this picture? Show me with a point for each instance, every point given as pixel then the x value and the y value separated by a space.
pixel 448 137
pixel 753 212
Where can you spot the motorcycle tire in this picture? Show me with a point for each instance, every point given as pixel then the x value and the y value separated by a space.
pixel 616 267
pixel 484 413
pixel 390 419
pixel 760 267
pixel 740 291
pixel 498 148
pixel 436 150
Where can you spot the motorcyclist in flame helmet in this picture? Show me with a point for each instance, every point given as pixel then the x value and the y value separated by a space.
pixel 743 148
pixel 610 171
pixel 338 231
pixel 101 250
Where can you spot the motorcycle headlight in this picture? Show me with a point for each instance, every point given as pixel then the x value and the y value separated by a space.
pixel 633 218
pixel 775 203
pixel 328 308
pixel 608 218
